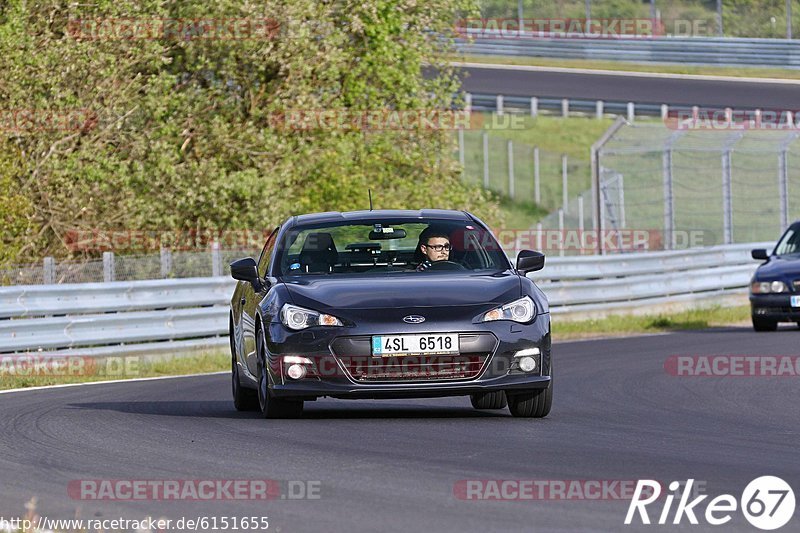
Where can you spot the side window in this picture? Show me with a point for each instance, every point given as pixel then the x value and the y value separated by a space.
pixel 266 253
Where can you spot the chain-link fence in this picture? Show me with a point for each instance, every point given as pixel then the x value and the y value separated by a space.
pixel 693 187
pixel 519 171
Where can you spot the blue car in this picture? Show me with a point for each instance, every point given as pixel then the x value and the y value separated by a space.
pixel 775 287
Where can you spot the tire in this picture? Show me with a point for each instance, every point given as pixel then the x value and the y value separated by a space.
pixel 764 324
pixel 488 400
pixel 533 404
pixel 244 399
pixel 268 405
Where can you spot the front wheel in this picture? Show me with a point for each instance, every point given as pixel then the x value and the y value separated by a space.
pixel 764 324
pixel 534 404
pixel 269 406
pixel 488 400
pixel 243 399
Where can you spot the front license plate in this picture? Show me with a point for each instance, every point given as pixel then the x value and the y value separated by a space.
pixel 436 344
pixel 795 301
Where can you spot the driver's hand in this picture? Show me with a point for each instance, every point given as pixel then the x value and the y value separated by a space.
pixel 423 266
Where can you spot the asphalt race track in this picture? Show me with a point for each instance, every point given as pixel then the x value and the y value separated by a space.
pixel 621 88
pixel 393 465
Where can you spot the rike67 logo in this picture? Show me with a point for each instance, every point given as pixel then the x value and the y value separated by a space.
pixel 767 503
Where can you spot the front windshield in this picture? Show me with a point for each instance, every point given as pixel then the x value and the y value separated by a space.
pixel 384 246
pixel 789 243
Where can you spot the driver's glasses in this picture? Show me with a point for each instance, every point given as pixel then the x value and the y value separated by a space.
pixel 439 247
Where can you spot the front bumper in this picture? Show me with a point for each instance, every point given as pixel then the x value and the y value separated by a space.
pixel 774 307
pixel 331 376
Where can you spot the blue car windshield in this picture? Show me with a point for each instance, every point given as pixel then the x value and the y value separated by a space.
pixel 789 244
pixel 386 246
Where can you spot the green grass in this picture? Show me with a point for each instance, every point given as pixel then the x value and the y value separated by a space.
pixel 129 367
pixel 565 329
pixel 740 72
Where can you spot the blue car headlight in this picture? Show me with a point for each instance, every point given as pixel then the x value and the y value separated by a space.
pixel 297 318
pixel 522 310
pixel 768 287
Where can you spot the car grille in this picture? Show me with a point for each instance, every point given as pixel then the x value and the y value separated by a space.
pixel 354 354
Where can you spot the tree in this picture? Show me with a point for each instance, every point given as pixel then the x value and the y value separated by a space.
pixel 177 131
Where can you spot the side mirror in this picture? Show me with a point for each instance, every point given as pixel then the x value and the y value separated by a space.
pixel 760 254
pixel 246 270
pixel 529 261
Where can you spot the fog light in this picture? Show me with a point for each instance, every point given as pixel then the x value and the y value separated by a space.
pixel 527 364
pixel 296 371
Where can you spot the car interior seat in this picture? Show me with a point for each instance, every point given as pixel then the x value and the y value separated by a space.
pixel 319 253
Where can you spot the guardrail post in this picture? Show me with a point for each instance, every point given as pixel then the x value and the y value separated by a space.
pixel 599 110
pixel 510 169
pixel 461 157
pixel 537 191
pixel 216 260
pixel 727 211
pixel 166 262
pixel 485 160
pixel 783 187
pixel 564 183
pixel 631 112
pixel 580 222
pixel 561 232
pixel 499 105
pixel 664 111
pixel 534 106
pixel 565 108
pixel 538 235
pixel 49 271
pixel 467 102
pixel 669 202
pixel 109 270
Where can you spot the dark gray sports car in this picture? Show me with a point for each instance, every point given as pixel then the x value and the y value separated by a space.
pixel 389 304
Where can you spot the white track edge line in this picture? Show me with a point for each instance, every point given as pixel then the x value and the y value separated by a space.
pixel 65 385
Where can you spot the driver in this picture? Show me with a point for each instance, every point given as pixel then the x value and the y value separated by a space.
pixel 434 246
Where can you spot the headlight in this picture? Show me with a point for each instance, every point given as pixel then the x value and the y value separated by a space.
pixel 768 287
pixel 522 310
pixel 298 318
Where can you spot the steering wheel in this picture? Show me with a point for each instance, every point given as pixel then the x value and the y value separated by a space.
pixel 446 265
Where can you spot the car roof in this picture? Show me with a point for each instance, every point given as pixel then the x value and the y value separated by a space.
pixel 393 214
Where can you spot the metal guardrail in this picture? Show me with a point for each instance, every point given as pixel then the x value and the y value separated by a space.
pixel 170 315
pixel 729 51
